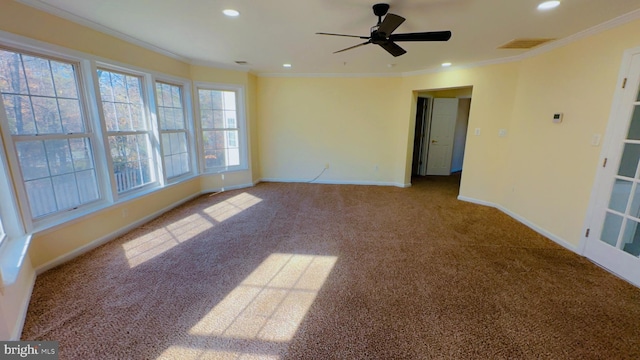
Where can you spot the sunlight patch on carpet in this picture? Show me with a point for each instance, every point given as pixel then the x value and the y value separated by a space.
pixel 271 302
pixel 233 206
pixel 154 243
pixel 186 353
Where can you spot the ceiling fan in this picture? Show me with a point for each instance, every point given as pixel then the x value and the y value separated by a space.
pixel 381 34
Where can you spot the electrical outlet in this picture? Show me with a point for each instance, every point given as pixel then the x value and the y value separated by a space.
pixel 326 166
pixel 125 213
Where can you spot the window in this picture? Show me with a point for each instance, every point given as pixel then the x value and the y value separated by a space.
pixel 173 130
pixel 222 135
pixel 49 133
pixel 128 132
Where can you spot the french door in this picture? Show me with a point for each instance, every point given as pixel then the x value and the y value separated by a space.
pixel 613 235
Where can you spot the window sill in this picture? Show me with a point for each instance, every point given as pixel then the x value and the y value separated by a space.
pixel 13 252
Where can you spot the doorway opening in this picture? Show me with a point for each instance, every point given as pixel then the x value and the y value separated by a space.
pixel 441 122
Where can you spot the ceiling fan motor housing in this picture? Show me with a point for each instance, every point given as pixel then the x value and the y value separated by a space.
pixel 382 33
pixel 380 9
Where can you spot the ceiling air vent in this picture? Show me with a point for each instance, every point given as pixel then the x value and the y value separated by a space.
pixel 524 43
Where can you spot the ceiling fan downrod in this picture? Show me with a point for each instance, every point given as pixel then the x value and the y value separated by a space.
pixel 380 10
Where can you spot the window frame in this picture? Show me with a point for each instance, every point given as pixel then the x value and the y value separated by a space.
pixel 82 65
pixel 148 103
pixel 187 107
pixel 243 145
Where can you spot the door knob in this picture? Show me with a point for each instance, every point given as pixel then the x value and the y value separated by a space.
pixel 434 141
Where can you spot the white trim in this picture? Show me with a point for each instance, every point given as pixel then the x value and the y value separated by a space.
pixel 228 188
pixel 13 253
pixel 114 235
pixel 219 65
pixel 19 326
pixel 608 143
pixel 331 75
pixel 533 226
pixel 440 69
pixel 105 239
pixel 242 126
pixel 101 28
pixel 623 19
pixel 607 25
pixel 337 182
pixel 187 105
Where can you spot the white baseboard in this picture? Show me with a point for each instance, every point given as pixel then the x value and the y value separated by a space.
pixel 102 240
pixel 17 330
pixel 555 238
pixel 228 188
pixel 337 182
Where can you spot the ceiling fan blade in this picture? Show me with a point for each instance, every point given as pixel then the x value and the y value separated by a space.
pixel 355 36
pixel 390 23
pixel 393 48
pixel 352 47
pixel 423 36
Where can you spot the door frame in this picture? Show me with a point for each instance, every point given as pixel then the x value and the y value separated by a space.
pixel 425 93
pixel 611 152
pixel 423 147
pixel 450 125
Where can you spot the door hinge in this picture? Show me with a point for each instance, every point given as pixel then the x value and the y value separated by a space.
pixel 624 83
pixel 604 163
pixel 587 233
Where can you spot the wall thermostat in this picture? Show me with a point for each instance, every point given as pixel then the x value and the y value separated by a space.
pixel 557 118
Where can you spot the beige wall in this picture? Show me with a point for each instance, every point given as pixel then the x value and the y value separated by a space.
pixel 65 239
pixel 363 127
pixel 491 108
pixel 552 167
pixel 351 123
pixel 53 244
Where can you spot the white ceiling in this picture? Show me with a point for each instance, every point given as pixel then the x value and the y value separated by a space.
pixel 269 33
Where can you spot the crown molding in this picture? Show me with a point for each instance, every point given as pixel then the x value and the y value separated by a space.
pixel 330 75
pixel 607 25
pixel 441 69
pixel 101 28
pixel 219 65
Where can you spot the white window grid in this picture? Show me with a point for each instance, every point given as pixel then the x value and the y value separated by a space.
pixel 130 143
pixel 66 177
pixel 222 127
pixel 174 130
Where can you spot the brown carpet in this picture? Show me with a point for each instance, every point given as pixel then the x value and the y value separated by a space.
pixel 309 271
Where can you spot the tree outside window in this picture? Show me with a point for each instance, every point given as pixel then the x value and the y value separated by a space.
pixel 49 133
pixel 220 129
pixel 128 134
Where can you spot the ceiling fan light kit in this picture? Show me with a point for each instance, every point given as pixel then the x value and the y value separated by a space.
pixel 382 33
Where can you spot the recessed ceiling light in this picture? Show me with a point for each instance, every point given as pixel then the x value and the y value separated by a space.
pixel 286 65
pixel 548 5
pixel 447 64
pixel 231 12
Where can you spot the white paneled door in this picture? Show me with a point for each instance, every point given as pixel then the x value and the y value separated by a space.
pixel 613 234
pixel 443 125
